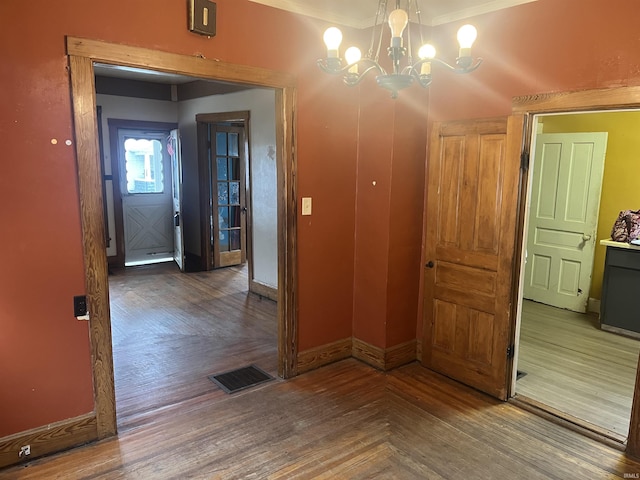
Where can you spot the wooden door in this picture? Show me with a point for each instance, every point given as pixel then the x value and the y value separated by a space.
pixel 563 218
pixel 228 195
pixel 473 179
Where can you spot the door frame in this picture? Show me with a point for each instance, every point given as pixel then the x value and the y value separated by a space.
pixel 618 98
pixel 114 125
pixel 82 53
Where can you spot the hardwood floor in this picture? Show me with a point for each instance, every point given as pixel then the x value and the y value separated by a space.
pixel 343 421
pixel 576 368
pixel 171 330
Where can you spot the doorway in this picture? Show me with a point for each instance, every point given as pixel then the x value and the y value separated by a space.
pixel 142 182
pixel 566 363
pixel 82 55
pixel 224 172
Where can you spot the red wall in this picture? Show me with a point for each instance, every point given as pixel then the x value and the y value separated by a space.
pixel 540 47
pixel 45 370
pixel 357 252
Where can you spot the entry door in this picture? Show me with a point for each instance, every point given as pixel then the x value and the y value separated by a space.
pixel 473 179
pixel 145 183
pixel 228 195
pixel 563 218
pixel 174 149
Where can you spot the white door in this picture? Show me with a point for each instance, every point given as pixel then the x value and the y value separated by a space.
pixel 146 196
pixel 563 218
pixel 174 149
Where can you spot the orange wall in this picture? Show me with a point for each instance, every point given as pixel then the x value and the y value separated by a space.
pixel 45 373
pixel 540 47
pixel 344 143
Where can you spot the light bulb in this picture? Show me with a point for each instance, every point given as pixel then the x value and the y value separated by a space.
pixel 398 20
pixel 467 35
pixel 332 39
pixel 353 55
pixel 426 51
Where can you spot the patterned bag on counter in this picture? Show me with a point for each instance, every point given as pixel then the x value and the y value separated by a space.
pixel 626 226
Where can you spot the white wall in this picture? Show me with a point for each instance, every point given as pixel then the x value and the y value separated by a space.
pixel 127 108
pixel 263 187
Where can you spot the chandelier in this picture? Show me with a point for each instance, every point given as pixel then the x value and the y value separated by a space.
pixel 357 67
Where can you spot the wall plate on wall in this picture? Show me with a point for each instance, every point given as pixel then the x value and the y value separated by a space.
pixel 202 17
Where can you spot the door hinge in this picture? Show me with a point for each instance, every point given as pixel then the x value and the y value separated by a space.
pixel 510 351
pixel 524 161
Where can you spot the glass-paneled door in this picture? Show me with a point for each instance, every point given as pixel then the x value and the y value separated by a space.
pixel 228 196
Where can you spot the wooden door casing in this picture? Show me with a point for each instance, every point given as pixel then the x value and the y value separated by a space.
pixel 473 179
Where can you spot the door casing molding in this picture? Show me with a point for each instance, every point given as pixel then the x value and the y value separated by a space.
pixel 618 98
pixel 82 53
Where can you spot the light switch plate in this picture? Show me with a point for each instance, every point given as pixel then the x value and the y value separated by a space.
pixel 306 205
pixel 202 17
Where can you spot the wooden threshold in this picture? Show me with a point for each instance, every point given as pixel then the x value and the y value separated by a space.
pixel 612 439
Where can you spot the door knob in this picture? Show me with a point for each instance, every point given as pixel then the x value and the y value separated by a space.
pixel 585 237
pixel 429 264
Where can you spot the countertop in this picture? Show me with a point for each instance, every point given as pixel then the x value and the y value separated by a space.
pixel 611 243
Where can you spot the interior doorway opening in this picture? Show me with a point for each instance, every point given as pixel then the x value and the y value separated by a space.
pixel 566 363
pixel 83 54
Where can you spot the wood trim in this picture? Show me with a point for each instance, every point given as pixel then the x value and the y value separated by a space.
pixel 195 66
pixel 95 260
pixel 606 98
pixel 633 440
pixel 627 97
pixel 287 231
pixel 263 290
pixel 612 439
pixel 82 53
pixel 206 255
pixel 48 439
pixel 367 353
pixel 384 359
pixel 237 116
pixel 324 355
pixel 401 354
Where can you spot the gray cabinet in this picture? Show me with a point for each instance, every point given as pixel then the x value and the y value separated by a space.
pixel 619 308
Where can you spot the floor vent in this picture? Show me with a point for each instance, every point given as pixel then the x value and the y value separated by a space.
pixel 240 379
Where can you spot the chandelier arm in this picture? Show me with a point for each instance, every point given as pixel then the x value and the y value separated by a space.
pixel 415 70
pixel 353 79
pixel 336 68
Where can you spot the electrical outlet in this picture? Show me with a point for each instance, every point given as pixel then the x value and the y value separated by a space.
pixel 25 451
pixel 79 305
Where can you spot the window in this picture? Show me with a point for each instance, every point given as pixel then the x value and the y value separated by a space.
pixel 143 165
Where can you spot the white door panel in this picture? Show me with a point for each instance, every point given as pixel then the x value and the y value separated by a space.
pixel 563 216
pixel 175 151
pixel 146 196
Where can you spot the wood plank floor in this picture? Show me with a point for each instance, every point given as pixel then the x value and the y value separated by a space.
pixel 576 368
pixel 343 421
pixel 171 330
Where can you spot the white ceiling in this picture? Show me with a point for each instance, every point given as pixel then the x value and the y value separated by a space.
pixel 361 13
